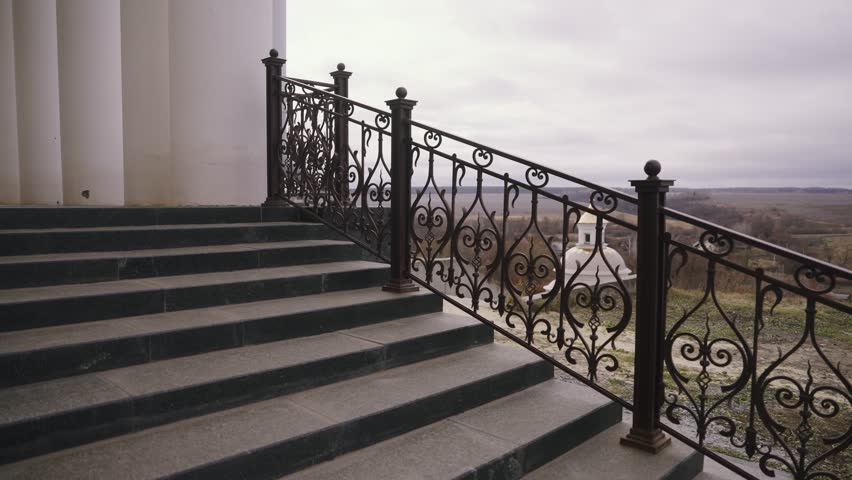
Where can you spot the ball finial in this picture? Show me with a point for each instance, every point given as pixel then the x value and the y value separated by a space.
pixel 341 67
pixel 401 92
pixel 273 53
pixel 652 168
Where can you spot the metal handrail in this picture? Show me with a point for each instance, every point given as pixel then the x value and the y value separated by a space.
pixel 528 163
pixel 418 229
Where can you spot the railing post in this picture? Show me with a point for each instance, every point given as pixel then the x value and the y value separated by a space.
pixel 650 326
pixel 273 128
pixel 341 128
pixel 401 165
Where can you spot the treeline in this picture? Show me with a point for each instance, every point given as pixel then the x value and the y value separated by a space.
pixel 698 204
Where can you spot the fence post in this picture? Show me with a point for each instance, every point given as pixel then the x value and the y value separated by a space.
pixel 273 66
pixel 650 326
pixel 341 128
pixel 401 169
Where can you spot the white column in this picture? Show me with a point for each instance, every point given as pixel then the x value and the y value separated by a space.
pixel 217 102
pixel 279 30
pixel 37 88
pixel 89 33
pixel 145 92
pixel 10 188
pixel 279 27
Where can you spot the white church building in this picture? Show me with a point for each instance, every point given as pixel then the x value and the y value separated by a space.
pixel 135 102
pixel 577 256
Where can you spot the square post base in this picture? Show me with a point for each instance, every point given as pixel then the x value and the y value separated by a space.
pixel 653 442
pixel 400 286
pixel 274 202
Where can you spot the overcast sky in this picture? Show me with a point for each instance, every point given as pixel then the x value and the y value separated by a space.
pixel 723 93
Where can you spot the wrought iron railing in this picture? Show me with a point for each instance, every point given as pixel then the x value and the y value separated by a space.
pixel 490 233
pixel 798 413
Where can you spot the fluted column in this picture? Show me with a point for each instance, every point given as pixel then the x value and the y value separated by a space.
pixel 145 92
pixel 10 188
pixel 217 101
pixel 89 33
pixel 37 89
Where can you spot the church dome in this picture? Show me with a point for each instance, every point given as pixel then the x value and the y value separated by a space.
pixel 576 257
pixel 597 270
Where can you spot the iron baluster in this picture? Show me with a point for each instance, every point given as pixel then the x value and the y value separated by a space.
pixel 644 433
pixel 341 131
pixel 401 165
pixel 273 128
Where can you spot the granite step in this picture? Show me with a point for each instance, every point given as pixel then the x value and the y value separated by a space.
pixel 502 439
pixel 100 239
pixel 89 267
pixel 45 416
pixel 28 356
pixel 284 434
pixel 603 456
pixel 20 217
pixel 35 307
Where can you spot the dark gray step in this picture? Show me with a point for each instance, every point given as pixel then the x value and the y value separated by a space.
pixel 46 416
pixel 74 217
pixel 28 356
pixel 284 434
pixel 102 239
pixel 500 440
pixel 35 307
pixel 88 267
pixel 604 457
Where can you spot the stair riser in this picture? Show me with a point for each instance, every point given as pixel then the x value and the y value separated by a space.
pixel 38 274
pixel 546 448
pixel 687 469
pixel 69 217
pixel 75 428
pixel 77 359
pixel 118 240
pixel 287 457
pixel 528 457
pixel 65 311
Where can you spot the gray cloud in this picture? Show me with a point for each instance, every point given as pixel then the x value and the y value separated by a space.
pixel 724 93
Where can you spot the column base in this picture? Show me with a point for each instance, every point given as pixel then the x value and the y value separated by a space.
pixel 400 286
pixel 653 442
pixel 274 202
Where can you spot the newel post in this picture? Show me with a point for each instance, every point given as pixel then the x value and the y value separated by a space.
pixel 273 66
pixel 650 311
pixel 341 128
pixel 401 169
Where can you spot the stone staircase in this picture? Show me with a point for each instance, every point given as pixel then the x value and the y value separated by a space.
pixel 244 343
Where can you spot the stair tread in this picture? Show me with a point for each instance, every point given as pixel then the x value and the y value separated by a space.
pixel 28 402
pixel 165 252
pixel 457 445
pixel 21 341
pixel 188 444
pixel 34 294
pixel 604 457
pixel 124 228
